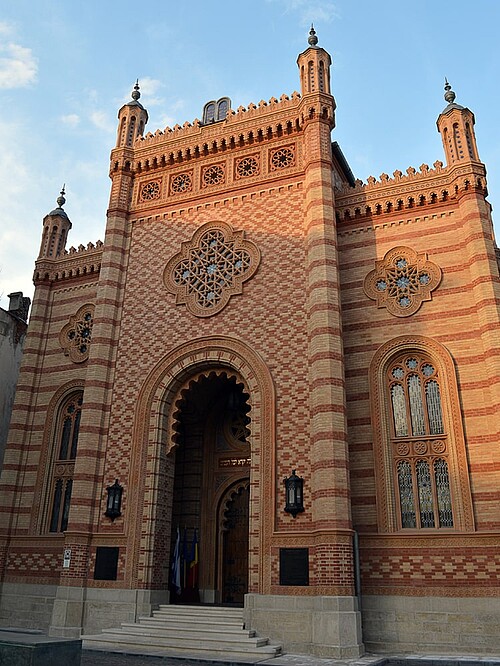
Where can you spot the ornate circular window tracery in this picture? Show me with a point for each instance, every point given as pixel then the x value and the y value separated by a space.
pixel 402 281
pixel 213 175
pixel 150 191
pixel 282 158
pixel 181 183
pixel 246 167
pixel 211 268
pixel 76 336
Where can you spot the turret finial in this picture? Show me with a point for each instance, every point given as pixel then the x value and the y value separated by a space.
pixel 313 39
pixel 60 199
pixel 449 94
pixel 135 92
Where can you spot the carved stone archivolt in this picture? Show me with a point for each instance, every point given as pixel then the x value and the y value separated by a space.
pixel 76 336
pixel 210 268
pixel 402 281
pixel 154 436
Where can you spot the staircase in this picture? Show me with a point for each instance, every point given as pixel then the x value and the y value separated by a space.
pixel 198 632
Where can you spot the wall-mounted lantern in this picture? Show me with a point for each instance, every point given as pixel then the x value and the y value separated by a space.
pixel 294 486
pixel 114 503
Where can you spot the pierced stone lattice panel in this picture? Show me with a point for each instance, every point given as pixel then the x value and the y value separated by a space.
pixel 181 182
pixel 246 167
pixel 76 335
pixel 150 191
pixel 282 158
pixel 402 281
pixel 214 174
pixel 210 268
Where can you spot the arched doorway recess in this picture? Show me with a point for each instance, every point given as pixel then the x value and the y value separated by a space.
pixel 148 502
pixel 212 453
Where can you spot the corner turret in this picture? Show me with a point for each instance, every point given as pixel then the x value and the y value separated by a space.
pixel 314 65
pixel 132 120
pixel 56 226
pixel 456 126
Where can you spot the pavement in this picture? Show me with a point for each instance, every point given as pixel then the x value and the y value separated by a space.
pixel 98 658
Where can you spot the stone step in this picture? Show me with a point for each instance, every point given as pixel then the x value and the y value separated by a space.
pixel 185 633
pixel 206 632
pixel 231 658
pixel 203 611
pixel 146 644
pixel 195 625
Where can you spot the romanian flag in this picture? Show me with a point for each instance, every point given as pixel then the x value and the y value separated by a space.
pixel 192 581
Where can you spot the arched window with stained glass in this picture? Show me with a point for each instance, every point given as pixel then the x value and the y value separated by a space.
pixel 65 451
pixel 419 443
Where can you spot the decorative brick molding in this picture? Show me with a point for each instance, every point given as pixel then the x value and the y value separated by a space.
pixel 452 418
pixel 402 281
pixel 210 268
pixel 76 336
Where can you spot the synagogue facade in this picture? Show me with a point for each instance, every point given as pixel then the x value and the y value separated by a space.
pixel 301 369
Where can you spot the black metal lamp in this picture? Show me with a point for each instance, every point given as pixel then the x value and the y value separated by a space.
pixel 294 486
pixel 114 503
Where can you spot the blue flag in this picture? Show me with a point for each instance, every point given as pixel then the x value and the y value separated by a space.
pixel 176 564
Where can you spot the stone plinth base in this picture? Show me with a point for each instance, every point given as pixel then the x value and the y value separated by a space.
pixel 18 648
pixel 88 610
pixel 320 626
pixel 432 625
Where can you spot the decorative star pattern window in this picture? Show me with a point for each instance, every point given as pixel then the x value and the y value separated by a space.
pixel 402 281
pixel 210 268
pixel 246 167
pixel 76 335
pixel 282 158
pixel 151 190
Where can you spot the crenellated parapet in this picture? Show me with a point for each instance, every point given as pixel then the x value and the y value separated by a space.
pixel 246 126
pixel 241 114
pixel 411 190
pixel 83 261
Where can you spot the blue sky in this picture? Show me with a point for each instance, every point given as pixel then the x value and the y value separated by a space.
pixel 66 68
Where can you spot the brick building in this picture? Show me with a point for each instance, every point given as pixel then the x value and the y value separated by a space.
pixel 252 311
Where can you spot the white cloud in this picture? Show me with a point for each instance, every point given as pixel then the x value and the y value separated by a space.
pixel 102 121
pixel 71 119
pixel 6 28
pixel 18 66
pixel 310 11
pixel 148 88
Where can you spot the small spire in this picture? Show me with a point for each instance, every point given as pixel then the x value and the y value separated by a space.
pixel 313 39
pixel 449 94
pixel 60 199
pixel 135 92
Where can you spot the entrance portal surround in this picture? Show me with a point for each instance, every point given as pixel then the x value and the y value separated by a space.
pixel 154 436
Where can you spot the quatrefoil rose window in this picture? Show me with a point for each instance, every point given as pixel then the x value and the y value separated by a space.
pixel 210 268
pixel 76 335
pixel 402 281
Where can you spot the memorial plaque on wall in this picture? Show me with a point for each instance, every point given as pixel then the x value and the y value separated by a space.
pixel 294 566
pixel 106 563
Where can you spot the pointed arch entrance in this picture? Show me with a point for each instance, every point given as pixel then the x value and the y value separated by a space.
pixel 212 455
pixel 149 496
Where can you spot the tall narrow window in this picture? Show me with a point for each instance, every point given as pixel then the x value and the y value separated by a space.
pixel 419 443
pixel 66 442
